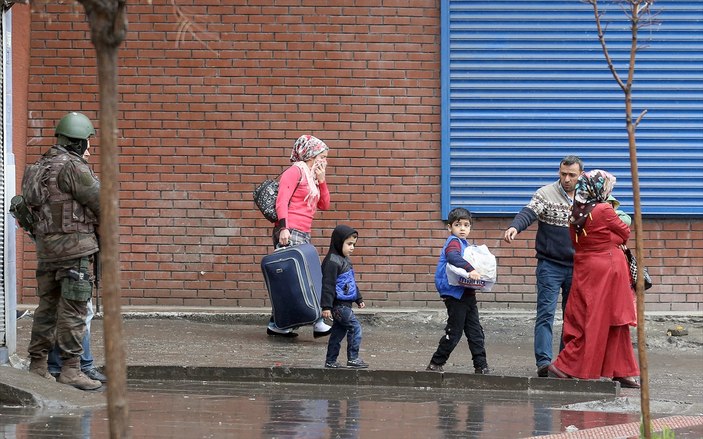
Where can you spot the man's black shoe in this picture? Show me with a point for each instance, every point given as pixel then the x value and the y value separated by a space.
pixel 95 374
pixel 543 371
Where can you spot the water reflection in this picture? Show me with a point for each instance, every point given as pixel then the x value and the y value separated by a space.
pixel 72 426
pixel 266 410
pixel 543 419
pixel 24 423
pixel 449 418
pixel 583 420
pixel 296 418
pixel 344 424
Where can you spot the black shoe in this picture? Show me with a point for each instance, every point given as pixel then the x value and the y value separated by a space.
pixel 357 363
pixel 434 368
pixel 289 334
pixel 333 365
pixel 482 370
pixel 543 371
pixel 95 374
pixel 318 334
pixel 21 314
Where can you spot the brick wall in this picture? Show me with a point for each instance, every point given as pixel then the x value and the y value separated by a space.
pixel 213 95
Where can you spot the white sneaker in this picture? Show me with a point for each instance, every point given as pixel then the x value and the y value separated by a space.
pixel 321 326
pixel 321 329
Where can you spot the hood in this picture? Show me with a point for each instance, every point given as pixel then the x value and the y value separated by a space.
pixel 339 234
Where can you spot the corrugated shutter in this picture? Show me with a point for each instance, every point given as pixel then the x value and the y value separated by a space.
pixel 525 83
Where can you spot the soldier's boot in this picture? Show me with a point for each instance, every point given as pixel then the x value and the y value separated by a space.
pixel 71 374
pixel 39 366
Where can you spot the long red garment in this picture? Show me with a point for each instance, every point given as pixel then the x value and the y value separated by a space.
pixel 601 304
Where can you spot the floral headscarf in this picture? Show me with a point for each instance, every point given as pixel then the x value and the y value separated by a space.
pixel 592 187
pixel 307 147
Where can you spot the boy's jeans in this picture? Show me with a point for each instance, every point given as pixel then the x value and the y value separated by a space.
pixel 55 361
pixel 551 278
pixel 345 324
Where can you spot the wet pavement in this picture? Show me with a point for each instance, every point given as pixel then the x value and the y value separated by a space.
pixel 161 409
pixel 212 375
pixel 187 409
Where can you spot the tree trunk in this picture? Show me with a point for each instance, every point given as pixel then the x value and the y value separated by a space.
pixel 109 245
pixel 108 25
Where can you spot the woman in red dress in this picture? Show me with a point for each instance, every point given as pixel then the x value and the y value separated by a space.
pixel 601 307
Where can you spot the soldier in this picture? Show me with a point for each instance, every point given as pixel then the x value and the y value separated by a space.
pixel 63 194
pixel 87 367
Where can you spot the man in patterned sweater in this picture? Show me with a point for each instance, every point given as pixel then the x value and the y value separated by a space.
pixel 551 207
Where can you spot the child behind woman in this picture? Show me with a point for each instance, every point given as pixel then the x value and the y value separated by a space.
pixel 462 311
pixel 339 292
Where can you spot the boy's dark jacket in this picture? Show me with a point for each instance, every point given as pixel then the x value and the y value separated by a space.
pixel 338 283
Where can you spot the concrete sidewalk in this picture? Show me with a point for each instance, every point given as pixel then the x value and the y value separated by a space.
pixel 171 341
pixel 231 345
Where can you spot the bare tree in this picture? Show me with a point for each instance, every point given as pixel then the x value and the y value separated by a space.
pixel 108 26
pixel 639 13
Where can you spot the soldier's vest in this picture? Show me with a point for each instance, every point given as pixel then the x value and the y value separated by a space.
pixel 56 211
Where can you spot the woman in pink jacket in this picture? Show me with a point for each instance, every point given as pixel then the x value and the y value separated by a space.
pixel 302 192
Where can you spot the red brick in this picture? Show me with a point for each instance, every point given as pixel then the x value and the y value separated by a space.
pixel 205 115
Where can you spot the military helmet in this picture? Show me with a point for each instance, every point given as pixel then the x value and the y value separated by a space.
pixel 75 126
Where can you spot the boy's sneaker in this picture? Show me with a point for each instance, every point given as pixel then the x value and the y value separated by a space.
pixel 434 368
pixel 483 370
pixel 333 365
pixel 357 363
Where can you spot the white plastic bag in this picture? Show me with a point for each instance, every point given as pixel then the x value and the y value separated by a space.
pixel 483 261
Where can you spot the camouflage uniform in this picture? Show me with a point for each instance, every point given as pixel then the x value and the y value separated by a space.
pixel 66 244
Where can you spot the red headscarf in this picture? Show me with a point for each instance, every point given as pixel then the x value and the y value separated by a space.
pixel 307 147
pixel 592 187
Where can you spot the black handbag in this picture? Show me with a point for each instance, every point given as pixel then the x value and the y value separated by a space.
pixel 634 270
pixel 265 196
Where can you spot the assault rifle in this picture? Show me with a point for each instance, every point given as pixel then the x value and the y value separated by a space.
pixel 24 216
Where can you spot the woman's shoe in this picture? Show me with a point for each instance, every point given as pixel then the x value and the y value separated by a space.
pixel 554 372
pixel 289 334
pixel 629 383
pixel 321 329
pixel 272 329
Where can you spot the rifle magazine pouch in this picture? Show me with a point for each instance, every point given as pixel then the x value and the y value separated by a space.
pixel 77 285
pixel 78 290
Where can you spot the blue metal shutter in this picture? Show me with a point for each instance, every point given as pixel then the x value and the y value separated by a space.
pixel 525 83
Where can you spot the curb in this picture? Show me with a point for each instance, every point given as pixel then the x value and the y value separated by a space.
pixel 377 378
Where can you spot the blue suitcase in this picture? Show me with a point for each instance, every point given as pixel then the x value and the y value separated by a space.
pixel 294 282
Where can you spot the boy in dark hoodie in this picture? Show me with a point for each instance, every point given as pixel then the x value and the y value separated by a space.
pixel 339 291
